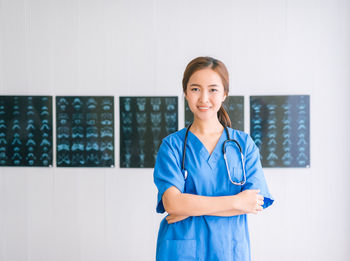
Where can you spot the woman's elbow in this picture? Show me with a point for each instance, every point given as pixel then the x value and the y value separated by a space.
pixel 171 201
pixel 170 206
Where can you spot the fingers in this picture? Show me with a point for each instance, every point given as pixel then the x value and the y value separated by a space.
pixel 261 197
pixel 173 219
pixel 260 202
pixel 170 219
pixel 257 210
pixel 258 207
pixel 255 190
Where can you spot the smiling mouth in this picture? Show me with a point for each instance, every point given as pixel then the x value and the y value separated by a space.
pixel 203 108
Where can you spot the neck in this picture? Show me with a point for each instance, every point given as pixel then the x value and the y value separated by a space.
pixel 207 126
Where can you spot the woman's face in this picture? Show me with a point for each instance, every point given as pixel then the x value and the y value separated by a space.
pixel 205 94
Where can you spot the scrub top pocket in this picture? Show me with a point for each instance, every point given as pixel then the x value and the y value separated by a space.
pixel 177 250
pixel 237 174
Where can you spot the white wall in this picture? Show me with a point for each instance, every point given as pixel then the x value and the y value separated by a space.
pixel 134 47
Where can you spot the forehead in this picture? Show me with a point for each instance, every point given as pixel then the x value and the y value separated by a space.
pixel 205 76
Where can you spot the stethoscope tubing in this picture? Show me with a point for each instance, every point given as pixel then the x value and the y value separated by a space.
pixel 241 183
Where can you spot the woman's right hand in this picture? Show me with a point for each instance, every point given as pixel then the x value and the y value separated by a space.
pixel 249 201
pixel 173 218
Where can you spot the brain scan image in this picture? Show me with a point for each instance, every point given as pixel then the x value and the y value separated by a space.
pixel 85 131
pixel 280 127
pixel 144 121
pixel 26 131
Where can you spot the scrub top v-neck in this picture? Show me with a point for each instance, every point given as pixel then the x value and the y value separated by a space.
pixel 212 157
pixel 205 237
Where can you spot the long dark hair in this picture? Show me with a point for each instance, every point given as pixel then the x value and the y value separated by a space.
pixel 218 67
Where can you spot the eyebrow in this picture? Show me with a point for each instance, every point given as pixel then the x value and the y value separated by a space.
pixel 211 85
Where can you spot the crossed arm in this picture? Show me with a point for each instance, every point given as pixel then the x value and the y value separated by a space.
pixel 182 205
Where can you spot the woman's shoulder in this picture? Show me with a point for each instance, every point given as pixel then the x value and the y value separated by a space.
pixel 237 133
pixel 241 136
pixel 175 136
pixel 175 140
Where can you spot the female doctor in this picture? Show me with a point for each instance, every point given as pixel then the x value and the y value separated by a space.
pixel 207 197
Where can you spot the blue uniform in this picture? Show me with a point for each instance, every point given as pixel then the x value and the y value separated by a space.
pixel 204 238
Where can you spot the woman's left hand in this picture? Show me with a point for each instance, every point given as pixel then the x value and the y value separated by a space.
pixel 173 218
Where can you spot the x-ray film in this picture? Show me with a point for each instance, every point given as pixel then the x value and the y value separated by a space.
pixel 280 127
pixel 144 122
pixel 85 131
pixel 26 131
pixel 234 105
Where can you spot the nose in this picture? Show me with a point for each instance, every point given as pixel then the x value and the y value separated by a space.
pixel 204 96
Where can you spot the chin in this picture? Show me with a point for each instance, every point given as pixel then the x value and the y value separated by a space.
pixel 203 117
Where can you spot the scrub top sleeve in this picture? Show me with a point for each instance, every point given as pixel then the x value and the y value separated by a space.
pixel 167 173
pixel 255 174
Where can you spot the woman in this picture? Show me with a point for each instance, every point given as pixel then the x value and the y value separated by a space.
pixel 207 200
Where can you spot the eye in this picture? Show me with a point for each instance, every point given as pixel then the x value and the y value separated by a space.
pixel 213 90
pixel 194 89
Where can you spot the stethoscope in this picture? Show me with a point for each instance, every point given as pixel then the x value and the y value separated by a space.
pixel 241 183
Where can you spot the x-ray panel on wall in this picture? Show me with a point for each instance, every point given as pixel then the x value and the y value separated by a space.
pixel 144 122
pixel 280 127
pixel 234 105
pixel 26 131
pixel 85 131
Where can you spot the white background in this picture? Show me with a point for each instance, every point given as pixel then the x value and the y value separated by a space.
pixel 134 47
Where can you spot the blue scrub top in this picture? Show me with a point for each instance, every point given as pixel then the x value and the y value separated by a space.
pixel 205 238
